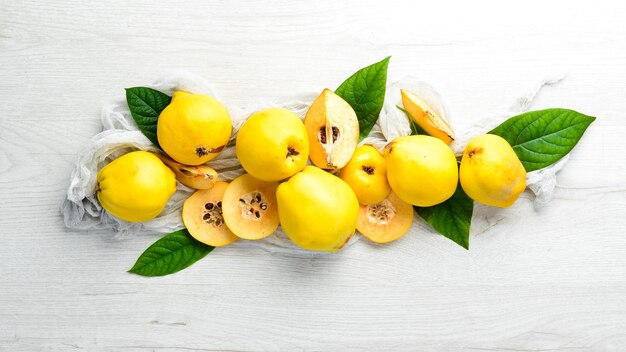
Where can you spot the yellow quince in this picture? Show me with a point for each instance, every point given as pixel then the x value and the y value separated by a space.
pixel 366 173
pixel 272 145
pixel 135 187
pixel 317 210
pixel 422 170
pixel 491 173
pixel 194 128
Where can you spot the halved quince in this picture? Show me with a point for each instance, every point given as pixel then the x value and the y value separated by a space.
pixel 202 216
pixel 333 131
pixel 385 221
pixel 250 208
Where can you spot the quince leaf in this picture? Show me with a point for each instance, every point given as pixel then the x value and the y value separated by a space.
pixel 451 218
pixel 541 138
pixel 172 253
pixel 365 92
pixel 145 105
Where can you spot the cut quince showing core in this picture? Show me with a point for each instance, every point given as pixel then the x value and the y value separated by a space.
pixel 250 208
pixel 422 170
pixel 386 221
pixel 426 117
pixel 196 177
pixel 491 173
pixel 272 145
pixel 318 211
pixel 366 173
pixel 333 130
pixel 203 216
pixel 194 128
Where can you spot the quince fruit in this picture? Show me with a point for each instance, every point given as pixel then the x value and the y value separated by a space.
pixel 333 130
pixel 196 177
pixel 366 173
pixel 135 187
pixel 203 216
pixel 194 128
pixel 426 117
pixel 272 145
pixel 317 210
pixel 491 173
pixel 385 221
pixel 422 170
pixel 249 207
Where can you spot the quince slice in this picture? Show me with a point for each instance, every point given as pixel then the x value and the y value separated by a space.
pixel 426 117
pixel 196 177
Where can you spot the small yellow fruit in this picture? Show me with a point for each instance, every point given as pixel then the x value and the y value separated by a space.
pixel 203 217
pixel 196 177
pixel 135 187
pixel 385 221
pixel 194 128
pixel 318 211
pixel 333 130
pixel 272 145
pixel 426 117
pixel 249 207
pixel 366 173
pixel 422 170
pixel 491 172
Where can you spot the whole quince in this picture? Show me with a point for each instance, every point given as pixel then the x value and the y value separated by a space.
pixel 422 170
pixel 272 145
pixel 135 187
pixel 366 173
pixel 317 210
pixel 194 128
pixel 491 173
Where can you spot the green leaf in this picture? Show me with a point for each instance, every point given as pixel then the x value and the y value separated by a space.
pixel 172 253
pixel 145 105
pixel 415 128
pixel 365 92
pixel 451 218
pixel 541 138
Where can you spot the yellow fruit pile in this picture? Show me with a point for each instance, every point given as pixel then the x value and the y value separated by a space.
pixel 319 206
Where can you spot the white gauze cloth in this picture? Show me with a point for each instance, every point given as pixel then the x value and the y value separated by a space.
pixel 82 211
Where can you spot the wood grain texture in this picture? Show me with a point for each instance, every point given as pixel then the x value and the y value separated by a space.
pixel 547 280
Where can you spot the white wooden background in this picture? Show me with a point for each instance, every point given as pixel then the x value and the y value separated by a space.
pixel 544 280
